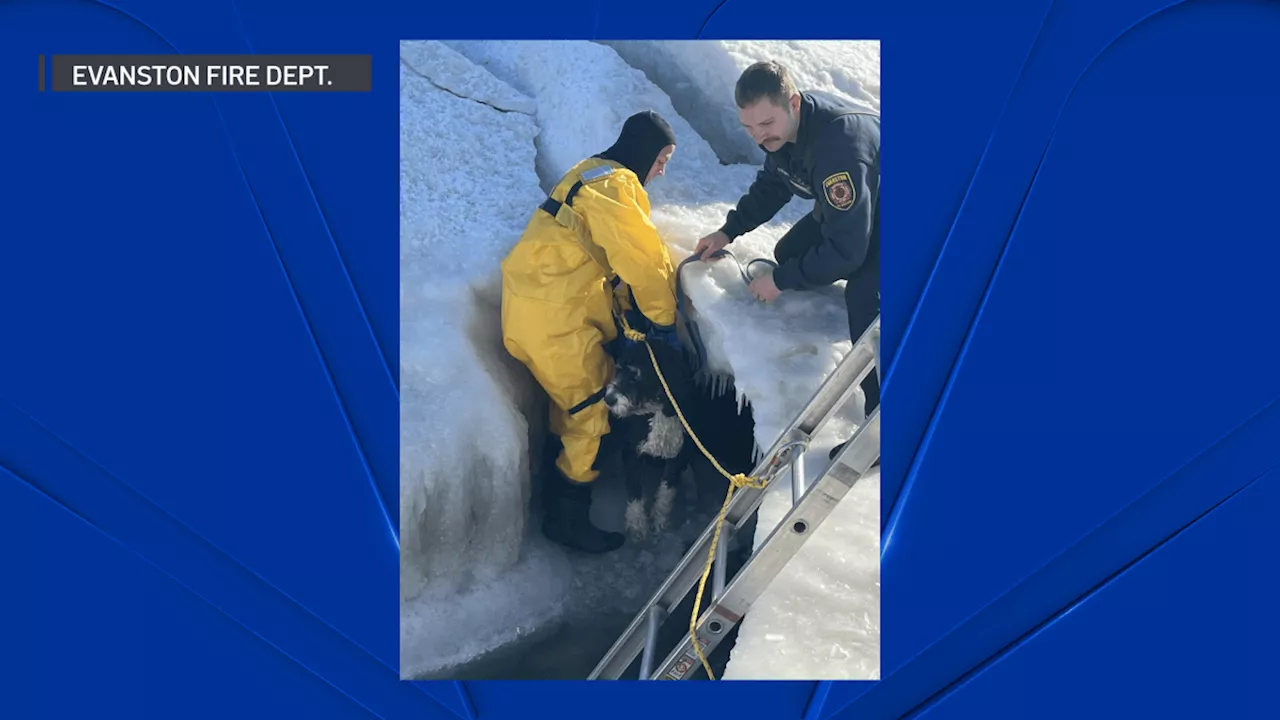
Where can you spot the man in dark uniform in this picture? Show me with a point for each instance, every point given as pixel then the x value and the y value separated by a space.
pixel 819 149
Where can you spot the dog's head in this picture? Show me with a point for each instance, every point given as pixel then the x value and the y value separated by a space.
pixel 635 388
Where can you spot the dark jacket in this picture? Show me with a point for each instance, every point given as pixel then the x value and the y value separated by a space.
pixel 835 160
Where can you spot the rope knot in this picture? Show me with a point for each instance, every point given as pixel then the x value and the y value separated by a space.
pixel 736 482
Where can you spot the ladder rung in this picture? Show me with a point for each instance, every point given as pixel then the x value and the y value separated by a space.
pixel 653 621
pixel 797 476
pixel 835 390
pixel 783 543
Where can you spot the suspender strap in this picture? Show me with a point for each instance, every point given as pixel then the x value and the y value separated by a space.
pixel 552 206
pixel 564 215
pixel 596 397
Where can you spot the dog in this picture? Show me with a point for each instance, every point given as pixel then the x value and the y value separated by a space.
pixel 647 432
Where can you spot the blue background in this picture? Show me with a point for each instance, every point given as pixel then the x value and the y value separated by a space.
pixel 198 365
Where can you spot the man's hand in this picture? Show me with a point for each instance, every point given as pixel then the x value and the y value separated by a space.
pixel 764 288
pixel 711 244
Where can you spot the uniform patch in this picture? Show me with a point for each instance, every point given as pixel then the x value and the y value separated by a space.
pixel 839 189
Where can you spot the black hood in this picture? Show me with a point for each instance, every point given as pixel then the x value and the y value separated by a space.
pixel 643 136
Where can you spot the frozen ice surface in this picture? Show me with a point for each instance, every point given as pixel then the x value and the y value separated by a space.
pixel 450 626
pixel 464 461
pixel 778 354
pixel 699 75
pixel 820 619
pixel 453 73
pixel 822 612
pixel 584 92
pixel 466 171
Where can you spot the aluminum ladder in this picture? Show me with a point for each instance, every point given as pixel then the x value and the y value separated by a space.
pixel 729 599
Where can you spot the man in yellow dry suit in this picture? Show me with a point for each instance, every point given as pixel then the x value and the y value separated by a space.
pixel 592 241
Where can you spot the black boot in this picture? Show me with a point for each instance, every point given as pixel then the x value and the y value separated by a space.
pixel 568 518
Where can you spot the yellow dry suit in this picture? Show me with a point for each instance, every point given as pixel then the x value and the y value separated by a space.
pixel 591 242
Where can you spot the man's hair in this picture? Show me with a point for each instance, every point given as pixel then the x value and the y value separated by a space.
pixel 768 78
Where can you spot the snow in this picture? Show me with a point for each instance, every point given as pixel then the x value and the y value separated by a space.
pixel 464 459
pixel 589 92
pixel 820 619
pixel 690 201
pixel 453 73
pixel 543 106
pixel 700 76
pixel 458 154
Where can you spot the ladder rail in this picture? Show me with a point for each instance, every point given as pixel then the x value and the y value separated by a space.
pixel 825 402
pixel 674 589
pixel 783 543
pixel 870 342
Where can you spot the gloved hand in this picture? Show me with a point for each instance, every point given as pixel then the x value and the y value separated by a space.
pixel 664 334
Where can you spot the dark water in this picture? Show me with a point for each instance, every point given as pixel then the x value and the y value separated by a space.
pixel 574 648
pixel 608 590
pixel 569 653
pixel 608 593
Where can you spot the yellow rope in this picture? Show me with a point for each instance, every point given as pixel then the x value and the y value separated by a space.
pixel 735 482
